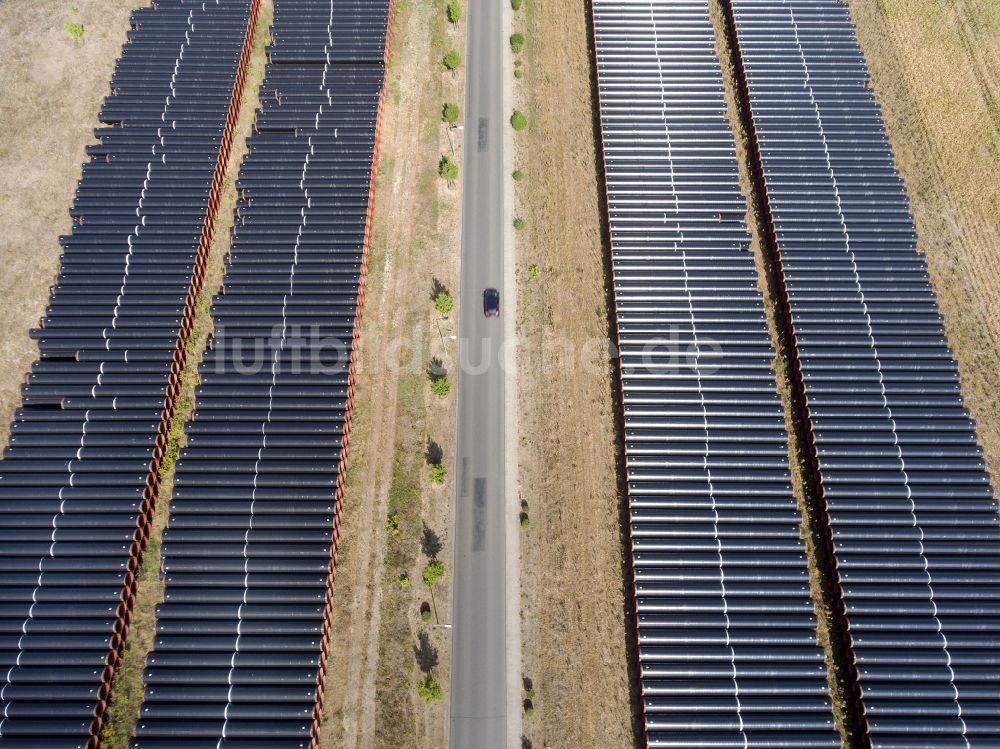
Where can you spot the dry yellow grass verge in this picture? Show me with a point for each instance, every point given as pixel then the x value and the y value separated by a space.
pixel 576 644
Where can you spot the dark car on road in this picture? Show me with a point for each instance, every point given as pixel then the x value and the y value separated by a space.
pixel 491 303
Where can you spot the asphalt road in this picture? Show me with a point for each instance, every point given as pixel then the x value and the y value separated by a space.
pixel 478 689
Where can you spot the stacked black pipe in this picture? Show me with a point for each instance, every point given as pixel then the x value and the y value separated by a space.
pixel 249 553
pixel 725 622
pixel 913 519
pixel 78 480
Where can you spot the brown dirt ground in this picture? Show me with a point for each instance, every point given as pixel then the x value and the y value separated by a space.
pixel 371 699
pixel 936 72
pixel 575 644
pixel 53 86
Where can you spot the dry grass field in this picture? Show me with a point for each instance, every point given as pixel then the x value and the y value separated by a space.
pixel 935 68
pixel 53 85
pixel 575 643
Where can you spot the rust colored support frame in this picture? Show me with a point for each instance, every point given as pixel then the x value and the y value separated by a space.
pixel 816 501
pixel 349 407
pixel 152 488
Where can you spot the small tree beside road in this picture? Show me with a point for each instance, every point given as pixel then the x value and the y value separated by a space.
pixel 441 386
pixel 433 572
pixel 438 473
pixel 452 60
pixel 429 690
pixel 448 170
pixel 444 303
pixel 450 113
